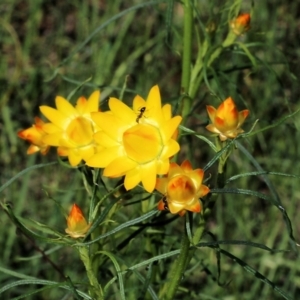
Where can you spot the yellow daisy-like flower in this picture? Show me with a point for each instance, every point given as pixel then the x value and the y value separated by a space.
pixel 226 119
pixel 182 189
pixel 72 128
pixel 35 135
pixel 77 224
pixel 138 142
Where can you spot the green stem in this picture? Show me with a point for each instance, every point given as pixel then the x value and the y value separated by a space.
pixel 197 74
pixel 177 269
pixel 220 180
pixel 186 57
pixel 95 290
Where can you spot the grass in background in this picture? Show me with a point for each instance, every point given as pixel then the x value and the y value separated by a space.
pixel 51 48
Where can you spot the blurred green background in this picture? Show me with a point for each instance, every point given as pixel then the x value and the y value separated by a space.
pixel 51 48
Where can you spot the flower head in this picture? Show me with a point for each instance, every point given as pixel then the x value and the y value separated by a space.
pixel 241 24
pixel 77 224
pixel 138 142
pixel 71 129
pixel 226 120
pixel 182 189
pixel 35 135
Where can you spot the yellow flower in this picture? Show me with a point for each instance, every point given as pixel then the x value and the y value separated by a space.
pixel 241 24
pixel 138 142
pixel 35 135
pixel 77 224
pixel 226 120
pixel 72 128
pixel 182 189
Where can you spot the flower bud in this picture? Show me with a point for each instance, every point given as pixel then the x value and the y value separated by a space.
pixel 77 224
pixel 241 24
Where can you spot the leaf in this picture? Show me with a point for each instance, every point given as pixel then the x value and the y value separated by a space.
pixel 256 274
pixel 275 196
pixel 120 227
pixel 118 270
pixel 46 283
pixel 10 181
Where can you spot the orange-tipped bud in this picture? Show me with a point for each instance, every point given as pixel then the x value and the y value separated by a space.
pixel 77 224
pixel 35 135
pixel 226 119
pixel 241 24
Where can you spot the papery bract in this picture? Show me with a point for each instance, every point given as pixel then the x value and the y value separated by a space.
pixel 241 24
pixel 182 188
pixel 138 142
pixel 35 135
pixel 226 120
pixel 77 224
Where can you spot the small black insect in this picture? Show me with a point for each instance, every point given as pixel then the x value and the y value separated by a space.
pixel 164 200
pixel 142 110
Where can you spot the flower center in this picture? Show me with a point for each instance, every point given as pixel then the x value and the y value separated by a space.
pixel 142 143
pixel 181 189
pixel 80 131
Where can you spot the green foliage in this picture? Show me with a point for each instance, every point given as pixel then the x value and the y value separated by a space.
pixel 249 242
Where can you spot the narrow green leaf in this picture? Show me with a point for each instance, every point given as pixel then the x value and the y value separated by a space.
pixel 261 173
pixel 120 227
pixel 256 274
pixel 272 190
pixel 118 270
pixel 10 181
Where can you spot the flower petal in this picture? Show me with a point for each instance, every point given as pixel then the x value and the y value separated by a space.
pixel 121 111
pixel 54 116
pixel 65 107
pixel 132 179
pixel 153 99
pixel 119 166
pixel 103 158
pixel 148 176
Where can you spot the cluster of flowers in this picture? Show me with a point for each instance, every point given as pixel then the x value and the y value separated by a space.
pixel 133 142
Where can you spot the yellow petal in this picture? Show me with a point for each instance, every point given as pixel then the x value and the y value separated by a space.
pixel 211 112
pixel 104 158
pixel 153 99
pixel 119 166
pixel 170 149
pixel 51 128
pixel 122 111
pixel 54 116
pixel 111 125
pixel 93 102
pixel 52 139
pixel 132 179
pixel 148 176
pixel 74 158
pixel 163 166
pixel 104 140
pixel 242 116
pixel 86 152
pixel 167 111
pixel 65 107
pixel 169 127
pixel 138 103
pixel 161 185
pixel 81 105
